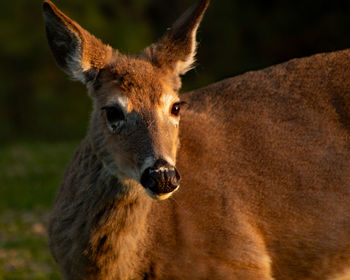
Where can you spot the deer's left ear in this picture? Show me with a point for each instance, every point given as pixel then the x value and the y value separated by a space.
pixel 176 50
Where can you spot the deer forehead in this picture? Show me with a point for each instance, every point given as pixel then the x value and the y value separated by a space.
pixel 127 104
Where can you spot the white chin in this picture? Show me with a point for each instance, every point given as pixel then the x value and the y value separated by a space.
pixel 160 196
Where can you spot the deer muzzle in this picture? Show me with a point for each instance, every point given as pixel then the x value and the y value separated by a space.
pixel 160 180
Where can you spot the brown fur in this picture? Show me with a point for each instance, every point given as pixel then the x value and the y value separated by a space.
pixel 265 165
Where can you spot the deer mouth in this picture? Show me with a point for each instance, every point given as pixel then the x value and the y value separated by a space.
pixel 161 180
pixel 161 196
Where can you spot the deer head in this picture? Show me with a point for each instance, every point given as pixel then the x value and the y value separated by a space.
pixel 135 122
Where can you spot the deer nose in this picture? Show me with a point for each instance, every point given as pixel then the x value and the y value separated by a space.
pixel 161 178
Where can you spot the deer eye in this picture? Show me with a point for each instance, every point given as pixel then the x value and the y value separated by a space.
pixel 113 114
pixel 175 109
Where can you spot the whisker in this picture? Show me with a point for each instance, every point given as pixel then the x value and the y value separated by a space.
pixel 149 125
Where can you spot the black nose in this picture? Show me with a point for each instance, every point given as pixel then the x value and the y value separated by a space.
pixel 161 178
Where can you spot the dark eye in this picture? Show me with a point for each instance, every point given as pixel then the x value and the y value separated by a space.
pixel 113 114
pixel 175 109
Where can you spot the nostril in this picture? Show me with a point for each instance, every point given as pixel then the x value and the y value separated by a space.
pixel 147 180
pixel 172 177
pixel 161 178
pixel 175 180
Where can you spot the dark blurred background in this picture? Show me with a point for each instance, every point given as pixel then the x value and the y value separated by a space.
pixel 39 102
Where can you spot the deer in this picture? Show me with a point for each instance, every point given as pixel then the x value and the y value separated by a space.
pixel 246 178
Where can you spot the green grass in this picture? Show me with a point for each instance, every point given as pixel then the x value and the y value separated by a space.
pixel 30 174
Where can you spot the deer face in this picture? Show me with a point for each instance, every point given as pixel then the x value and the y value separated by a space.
pixel 135 123
pixel 139 112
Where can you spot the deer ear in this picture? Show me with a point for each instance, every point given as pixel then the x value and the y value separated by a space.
pixel 76 51
pixel 176 50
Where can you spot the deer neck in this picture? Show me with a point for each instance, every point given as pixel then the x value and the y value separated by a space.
pixel 118 223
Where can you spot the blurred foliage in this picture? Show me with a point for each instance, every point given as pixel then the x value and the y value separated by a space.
pixel 38 102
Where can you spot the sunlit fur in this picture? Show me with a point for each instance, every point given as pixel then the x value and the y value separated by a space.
pixel 149 130
pixel 108 165
pixel 160 196
pixel 264 161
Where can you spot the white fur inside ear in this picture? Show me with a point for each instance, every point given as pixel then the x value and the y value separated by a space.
pixel 183 66
pixel 77 67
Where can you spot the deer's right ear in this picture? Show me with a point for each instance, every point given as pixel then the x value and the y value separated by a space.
pixel 76 51
pixel 176 50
